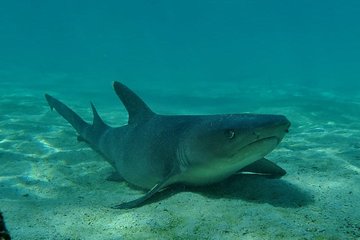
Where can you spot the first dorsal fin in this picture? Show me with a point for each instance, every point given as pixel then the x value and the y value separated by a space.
pixel 136 107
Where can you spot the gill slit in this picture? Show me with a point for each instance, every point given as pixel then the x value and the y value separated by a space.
pixel 182 157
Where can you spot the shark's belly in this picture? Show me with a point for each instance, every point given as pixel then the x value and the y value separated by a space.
pixel 213 174
pixel 141 170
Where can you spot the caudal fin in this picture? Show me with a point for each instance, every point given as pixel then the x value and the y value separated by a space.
pixel 75 120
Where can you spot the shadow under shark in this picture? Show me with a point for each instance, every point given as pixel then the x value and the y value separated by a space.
pixel 154 151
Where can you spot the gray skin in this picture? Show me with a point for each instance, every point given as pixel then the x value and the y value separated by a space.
pixel 154 151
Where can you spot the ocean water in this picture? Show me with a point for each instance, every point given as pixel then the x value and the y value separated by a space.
pixel 296 58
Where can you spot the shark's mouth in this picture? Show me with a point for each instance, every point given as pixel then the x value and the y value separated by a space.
pixel 256 150
pixel 265 140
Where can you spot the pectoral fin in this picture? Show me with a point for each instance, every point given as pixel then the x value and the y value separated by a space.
pixel 264 167
pixel 115 177
pixel 139 201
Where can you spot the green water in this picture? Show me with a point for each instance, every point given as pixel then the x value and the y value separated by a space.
pixel 299 59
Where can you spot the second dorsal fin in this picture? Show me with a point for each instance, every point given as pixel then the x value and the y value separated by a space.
pixel 136 107
pixel 97 121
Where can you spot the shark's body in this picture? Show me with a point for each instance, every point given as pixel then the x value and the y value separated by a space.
pixel 154 151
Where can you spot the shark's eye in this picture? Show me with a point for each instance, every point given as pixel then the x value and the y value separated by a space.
pixel 230 133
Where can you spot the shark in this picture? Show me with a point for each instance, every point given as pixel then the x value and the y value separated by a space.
pixel 154 151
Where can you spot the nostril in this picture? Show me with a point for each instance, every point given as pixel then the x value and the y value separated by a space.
pixel 287 129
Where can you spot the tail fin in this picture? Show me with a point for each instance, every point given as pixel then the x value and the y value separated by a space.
pixel 75 120
pixel 87 132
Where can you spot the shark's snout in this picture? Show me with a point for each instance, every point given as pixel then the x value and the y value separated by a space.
pixel 284 123
pixel 276 120
pixel 269 128
pixel 272 125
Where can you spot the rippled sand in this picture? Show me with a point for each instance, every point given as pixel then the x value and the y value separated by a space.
pixel 53 187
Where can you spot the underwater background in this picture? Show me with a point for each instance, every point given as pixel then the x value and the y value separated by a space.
pixel 296 58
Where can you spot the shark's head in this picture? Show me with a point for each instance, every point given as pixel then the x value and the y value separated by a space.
pixel 220 145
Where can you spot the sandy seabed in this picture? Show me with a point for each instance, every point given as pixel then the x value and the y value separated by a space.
pixel 53 187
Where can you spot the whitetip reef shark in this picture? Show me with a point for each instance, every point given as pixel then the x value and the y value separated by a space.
pixel 154 151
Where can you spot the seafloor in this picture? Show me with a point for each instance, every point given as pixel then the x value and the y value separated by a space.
pixel 53 187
